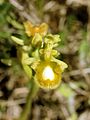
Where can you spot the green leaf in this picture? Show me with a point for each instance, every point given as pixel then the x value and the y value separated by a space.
pixel 17 40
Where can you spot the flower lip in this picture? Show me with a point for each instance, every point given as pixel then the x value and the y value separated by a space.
pixel 48 75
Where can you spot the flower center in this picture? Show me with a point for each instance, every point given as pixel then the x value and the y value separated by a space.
pixel 48 73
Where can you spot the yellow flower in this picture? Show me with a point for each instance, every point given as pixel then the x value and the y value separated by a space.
pixel 48 74
pixel 31 30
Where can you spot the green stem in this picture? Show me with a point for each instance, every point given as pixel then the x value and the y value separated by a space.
pixel 27 109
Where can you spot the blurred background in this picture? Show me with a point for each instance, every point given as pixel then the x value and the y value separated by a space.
pixel 71 20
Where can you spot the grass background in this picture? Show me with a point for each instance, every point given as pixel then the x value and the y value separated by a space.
pixel 71 20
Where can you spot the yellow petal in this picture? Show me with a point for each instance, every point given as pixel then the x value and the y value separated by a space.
pixel 28 28
pixel 31 30
pixel 43 28
pixel 62 64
